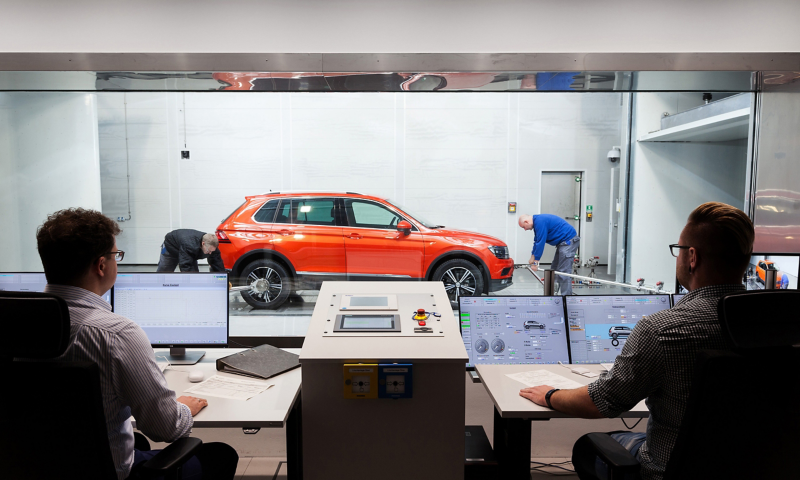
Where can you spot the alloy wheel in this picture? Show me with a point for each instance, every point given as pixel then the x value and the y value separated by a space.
pixel 458 282
pixel 265 284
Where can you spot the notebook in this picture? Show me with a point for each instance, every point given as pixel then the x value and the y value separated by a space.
pixel 264 361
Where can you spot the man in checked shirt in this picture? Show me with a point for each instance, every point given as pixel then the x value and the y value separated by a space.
pixel 79 252
pixel 657 361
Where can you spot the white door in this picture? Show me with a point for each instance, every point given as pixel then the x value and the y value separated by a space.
pixel 561 196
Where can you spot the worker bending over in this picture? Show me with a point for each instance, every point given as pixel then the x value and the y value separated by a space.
pixel 554 231
pixel 184 247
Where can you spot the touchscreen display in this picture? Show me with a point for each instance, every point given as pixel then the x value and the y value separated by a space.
pixel 367 322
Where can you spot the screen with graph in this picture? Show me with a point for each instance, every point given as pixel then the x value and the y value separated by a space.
pixel 176 309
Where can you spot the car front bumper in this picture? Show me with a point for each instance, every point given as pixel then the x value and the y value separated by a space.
pixel 498 284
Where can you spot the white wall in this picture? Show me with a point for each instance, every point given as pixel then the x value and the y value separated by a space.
pixel 670 179
pixel 48 161
pixel 321 26
pixel 453 158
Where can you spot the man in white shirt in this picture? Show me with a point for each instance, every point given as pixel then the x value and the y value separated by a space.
pixel 79 253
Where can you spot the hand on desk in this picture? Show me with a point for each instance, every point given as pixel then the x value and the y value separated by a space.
pixel 536 394
pixel 195 404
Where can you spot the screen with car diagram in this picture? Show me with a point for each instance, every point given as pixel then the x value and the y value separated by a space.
pixel 514 330
pixel 600 325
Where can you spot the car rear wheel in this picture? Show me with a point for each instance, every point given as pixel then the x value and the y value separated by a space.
pixel 461 278
pixel 269 284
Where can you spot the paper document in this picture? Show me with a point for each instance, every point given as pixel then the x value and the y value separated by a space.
pixel 607 366
pixel 162 366
pixel 226 387
pixel 543 377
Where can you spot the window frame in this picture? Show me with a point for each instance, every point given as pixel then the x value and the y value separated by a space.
pixel 346 219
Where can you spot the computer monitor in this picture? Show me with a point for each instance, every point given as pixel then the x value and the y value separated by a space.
pixel 514 330
pixel 786 266
pixel 676 297
pixel 30 282
pixel 176 310
pixel 599 325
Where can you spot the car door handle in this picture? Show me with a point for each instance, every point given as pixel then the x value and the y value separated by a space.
pixel 354 236
pixel 286 232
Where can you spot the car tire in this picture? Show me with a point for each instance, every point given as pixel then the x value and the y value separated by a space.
pixel 270 284
pixel 461 278
pixel 614 336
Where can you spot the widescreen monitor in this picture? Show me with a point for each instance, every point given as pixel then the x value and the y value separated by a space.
pixel 599 325
pixel 514 330
pixel 677 298
pixel 176 310
pixel 786 267
pixel 30 282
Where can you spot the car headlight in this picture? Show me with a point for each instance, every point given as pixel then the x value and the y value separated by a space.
pixel 499 252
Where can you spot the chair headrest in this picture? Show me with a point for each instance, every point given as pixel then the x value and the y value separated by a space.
pixel 761 318
pixel 36 325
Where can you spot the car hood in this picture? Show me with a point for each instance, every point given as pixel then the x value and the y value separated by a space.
pixel 465 237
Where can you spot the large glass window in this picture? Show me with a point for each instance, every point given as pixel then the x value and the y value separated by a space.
pixel 313 211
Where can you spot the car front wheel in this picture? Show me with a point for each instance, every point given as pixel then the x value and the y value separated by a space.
pixel 461 278
pixel 268 282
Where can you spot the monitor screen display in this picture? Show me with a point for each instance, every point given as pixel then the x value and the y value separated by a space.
pixel 176 309
pixel 677 298
pixel 367 322
pixel 785 266
pixel 30 282
pixel 600 325
pixel 514 330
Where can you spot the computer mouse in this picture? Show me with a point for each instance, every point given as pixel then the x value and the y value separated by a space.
pixel 196 376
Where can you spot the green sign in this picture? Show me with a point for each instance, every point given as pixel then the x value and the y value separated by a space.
pixel 588 208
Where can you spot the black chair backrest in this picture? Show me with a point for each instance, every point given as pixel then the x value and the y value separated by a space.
pixel 742 418
pixel 36 325
pixel 52 426
pixel 762 318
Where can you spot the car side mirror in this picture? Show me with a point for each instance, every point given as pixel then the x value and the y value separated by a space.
pixel 404 227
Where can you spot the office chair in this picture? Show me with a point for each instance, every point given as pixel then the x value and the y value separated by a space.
pixel 52 424
pixel 742 418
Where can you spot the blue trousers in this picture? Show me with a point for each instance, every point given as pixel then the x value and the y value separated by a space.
pixel 191 469
pixel 213 461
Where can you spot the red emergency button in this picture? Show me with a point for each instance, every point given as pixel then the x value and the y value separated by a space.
pixel 422 323
pixel 421 312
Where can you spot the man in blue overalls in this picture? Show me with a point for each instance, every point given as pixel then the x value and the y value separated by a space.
pixel 555 231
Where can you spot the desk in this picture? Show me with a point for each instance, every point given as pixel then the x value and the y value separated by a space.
pixel 275 408
pixel 513 414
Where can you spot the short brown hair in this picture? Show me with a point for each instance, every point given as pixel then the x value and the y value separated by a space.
pixel 723 233
pixel 71 240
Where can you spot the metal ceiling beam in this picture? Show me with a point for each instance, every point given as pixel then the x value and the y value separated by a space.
pixel 397 62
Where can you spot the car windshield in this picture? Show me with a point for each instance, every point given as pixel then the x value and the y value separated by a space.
pixel 415 217
pixel 771 266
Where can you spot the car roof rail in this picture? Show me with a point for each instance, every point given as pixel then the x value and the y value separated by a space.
pixel 310 191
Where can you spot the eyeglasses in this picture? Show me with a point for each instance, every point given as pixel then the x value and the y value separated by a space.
pixel 118 255
pixel 675 249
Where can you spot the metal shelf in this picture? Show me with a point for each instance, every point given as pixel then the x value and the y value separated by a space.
pixel 719 128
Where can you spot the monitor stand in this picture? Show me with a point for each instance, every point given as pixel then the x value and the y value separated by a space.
pixel 179 356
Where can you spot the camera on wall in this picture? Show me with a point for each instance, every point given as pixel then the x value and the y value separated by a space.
pixel 614 154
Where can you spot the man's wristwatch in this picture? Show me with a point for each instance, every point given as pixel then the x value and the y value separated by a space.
pixel 548 395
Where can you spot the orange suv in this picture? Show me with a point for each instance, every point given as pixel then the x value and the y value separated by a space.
pixel 279 242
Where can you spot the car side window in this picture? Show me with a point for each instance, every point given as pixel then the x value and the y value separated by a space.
pixel 284 212
pixel 370 215
pixel 266 214
pixel 313 211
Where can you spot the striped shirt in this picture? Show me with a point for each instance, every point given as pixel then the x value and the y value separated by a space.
pixel 130 380
pixel 657 364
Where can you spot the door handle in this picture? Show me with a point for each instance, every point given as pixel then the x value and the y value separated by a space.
pixel 354 236
pixel 285 232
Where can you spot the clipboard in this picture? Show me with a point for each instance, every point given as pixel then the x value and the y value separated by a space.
pixel 263 361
